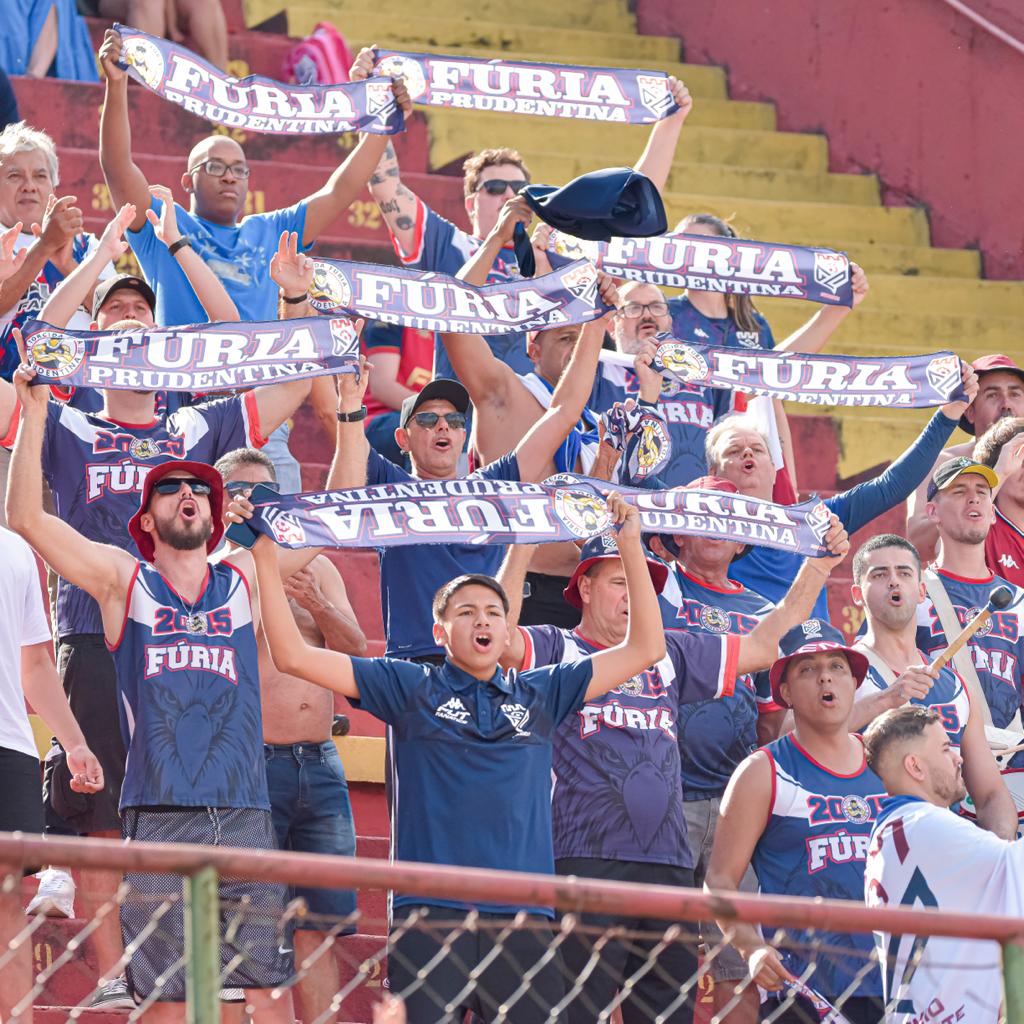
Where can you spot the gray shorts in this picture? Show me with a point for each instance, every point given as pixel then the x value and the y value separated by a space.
pixel 253 937
pixel 701 818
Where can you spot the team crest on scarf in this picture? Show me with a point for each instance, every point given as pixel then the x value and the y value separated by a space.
pixel 286 528
pixel 650 449
pixel 654 94
pixel 819 519
pixel 682 360
pixel 343 334
pixel 584 513
pixel 582 282
pixel 398 65
pixel 330 286
pixel 831 270
pixel 54 354
pixel 145 57
pixel 944 373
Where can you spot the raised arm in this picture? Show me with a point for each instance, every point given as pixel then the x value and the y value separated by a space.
pixel 351 449
pixel 760 647
pixel 320 589
pixel 100 569
pixel 645 636
pixel 995 807
pixel 812 336
pixel 127 184
pixel 660 151
pixel 741 820
pixel 216 302
pixel 512 577
pixel 536 450
pixel 290 652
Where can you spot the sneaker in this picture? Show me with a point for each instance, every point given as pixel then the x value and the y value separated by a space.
pixel 113 996
pixel 55 896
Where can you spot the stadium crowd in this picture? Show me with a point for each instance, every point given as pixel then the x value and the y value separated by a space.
pixel 699 715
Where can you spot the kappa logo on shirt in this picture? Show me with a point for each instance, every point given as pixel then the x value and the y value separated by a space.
pixel 1008 562
pixel 453 710
pixel 518 715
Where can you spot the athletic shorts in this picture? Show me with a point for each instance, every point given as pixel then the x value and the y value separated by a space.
pixel 152 914
pixel 21 809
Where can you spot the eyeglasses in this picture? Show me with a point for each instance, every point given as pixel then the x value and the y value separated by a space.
pixel 234 487
pixel 172 484
pixel 633 310
pixel 455 420
pixel 217 169
pixel 497 186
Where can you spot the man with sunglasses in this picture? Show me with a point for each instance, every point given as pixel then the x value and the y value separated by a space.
pixel 216 180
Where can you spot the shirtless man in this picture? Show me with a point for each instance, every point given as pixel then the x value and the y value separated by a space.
pixel 309 800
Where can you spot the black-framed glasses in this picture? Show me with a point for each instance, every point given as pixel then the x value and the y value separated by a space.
pixel 497 186
pixel 234 487
pixel 455 420
pixel 172 484
pixel 218 168
pixel 634 310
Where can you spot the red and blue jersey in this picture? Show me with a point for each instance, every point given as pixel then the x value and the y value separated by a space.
pixel 716 735
pixel 95 469
pixel 815 844
pixel 442 247
pixel 617 791
pixel 997 649
pixel 689 324
pixel 188 676
pixel 1004 549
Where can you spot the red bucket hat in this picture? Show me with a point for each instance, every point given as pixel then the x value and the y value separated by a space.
pixel 602 548
pixel 201 471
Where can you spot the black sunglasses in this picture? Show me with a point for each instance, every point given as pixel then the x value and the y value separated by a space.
pixel 455 420
pixel 497 186
pixel 237 486
pixel 172 484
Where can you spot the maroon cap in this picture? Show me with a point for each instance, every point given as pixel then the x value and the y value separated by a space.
pixel 600 549
pixel 201 471
pixel 987 364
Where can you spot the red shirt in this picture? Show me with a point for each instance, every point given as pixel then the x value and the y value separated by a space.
pixel 1004 550
pixel 415 349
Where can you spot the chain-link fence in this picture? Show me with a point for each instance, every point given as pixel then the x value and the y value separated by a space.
pixel 203 926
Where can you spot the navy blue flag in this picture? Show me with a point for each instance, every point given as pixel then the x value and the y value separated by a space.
pixel 437 302
pixel 563 507
pixel 256 103
pixel 204 357
pixel 713 264
pixel 523 87
pixel 909 382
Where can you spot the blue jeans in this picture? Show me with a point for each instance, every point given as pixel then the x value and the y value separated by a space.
pixel 311 812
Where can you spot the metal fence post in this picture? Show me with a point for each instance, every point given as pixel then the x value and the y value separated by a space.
pixel 202 947
pixel 1013 979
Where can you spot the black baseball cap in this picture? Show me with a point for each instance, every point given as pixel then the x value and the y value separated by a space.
pixel 949 471
pixel 107 288
pixel 442 388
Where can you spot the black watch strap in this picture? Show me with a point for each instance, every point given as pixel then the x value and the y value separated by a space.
pixel 181 243
pixel 352 417
pixel 294 300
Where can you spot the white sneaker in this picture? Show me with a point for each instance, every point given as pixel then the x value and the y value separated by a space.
pixel 55 896
pixel 113 996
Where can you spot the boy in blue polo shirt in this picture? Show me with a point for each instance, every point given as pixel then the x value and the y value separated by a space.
pixel 472 752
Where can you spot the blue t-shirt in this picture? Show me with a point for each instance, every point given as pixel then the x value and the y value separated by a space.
pixel 442 247
pixel 95 469
pixel 410 575
pixel 617 792
pixel 815 844
pixel 240 256
pixel 770 572
pixel 689 324
pixel 189 680
pixel 716 735
pixel 472 763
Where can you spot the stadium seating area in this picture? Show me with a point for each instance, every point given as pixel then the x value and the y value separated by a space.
pixel 732 161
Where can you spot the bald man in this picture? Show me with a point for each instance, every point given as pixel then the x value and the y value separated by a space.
pixel 216 179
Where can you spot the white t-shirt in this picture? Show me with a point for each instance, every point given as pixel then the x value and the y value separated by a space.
pixel 22 622
pixel 926 856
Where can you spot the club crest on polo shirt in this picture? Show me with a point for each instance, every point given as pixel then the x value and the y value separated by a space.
pixel 831 270
pixel 453 710
pixel 518 715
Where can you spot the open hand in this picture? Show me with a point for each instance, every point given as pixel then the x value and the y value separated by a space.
pixel 112 243
pixel 11 261
pixel 165 224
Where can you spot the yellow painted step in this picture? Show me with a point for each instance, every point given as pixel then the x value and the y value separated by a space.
pixel 424 32
pixel 833 225
pixel 595 15
pixel 911 260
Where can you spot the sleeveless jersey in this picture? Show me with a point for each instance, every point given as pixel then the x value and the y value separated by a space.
pixel 716 735
pixel 1004 550
pixel 815 844
pixel 948 696
pixel 617 792
pixel 997 649
pixel 923 856
pixel 190 694
pixel 95 469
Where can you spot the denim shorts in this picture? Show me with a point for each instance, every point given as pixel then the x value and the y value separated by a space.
pixel 311 812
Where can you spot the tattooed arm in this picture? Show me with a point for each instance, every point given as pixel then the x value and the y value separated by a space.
pixel 396 202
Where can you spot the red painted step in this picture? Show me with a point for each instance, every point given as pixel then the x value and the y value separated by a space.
pixel 369 808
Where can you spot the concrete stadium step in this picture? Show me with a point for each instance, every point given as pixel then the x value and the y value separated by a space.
pixel 916 260
pixel 423 32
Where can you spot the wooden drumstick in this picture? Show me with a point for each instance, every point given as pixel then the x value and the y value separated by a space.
pixel 997 600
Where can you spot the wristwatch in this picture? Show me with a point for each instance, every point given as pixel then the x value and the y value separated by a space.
pixel 352 417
